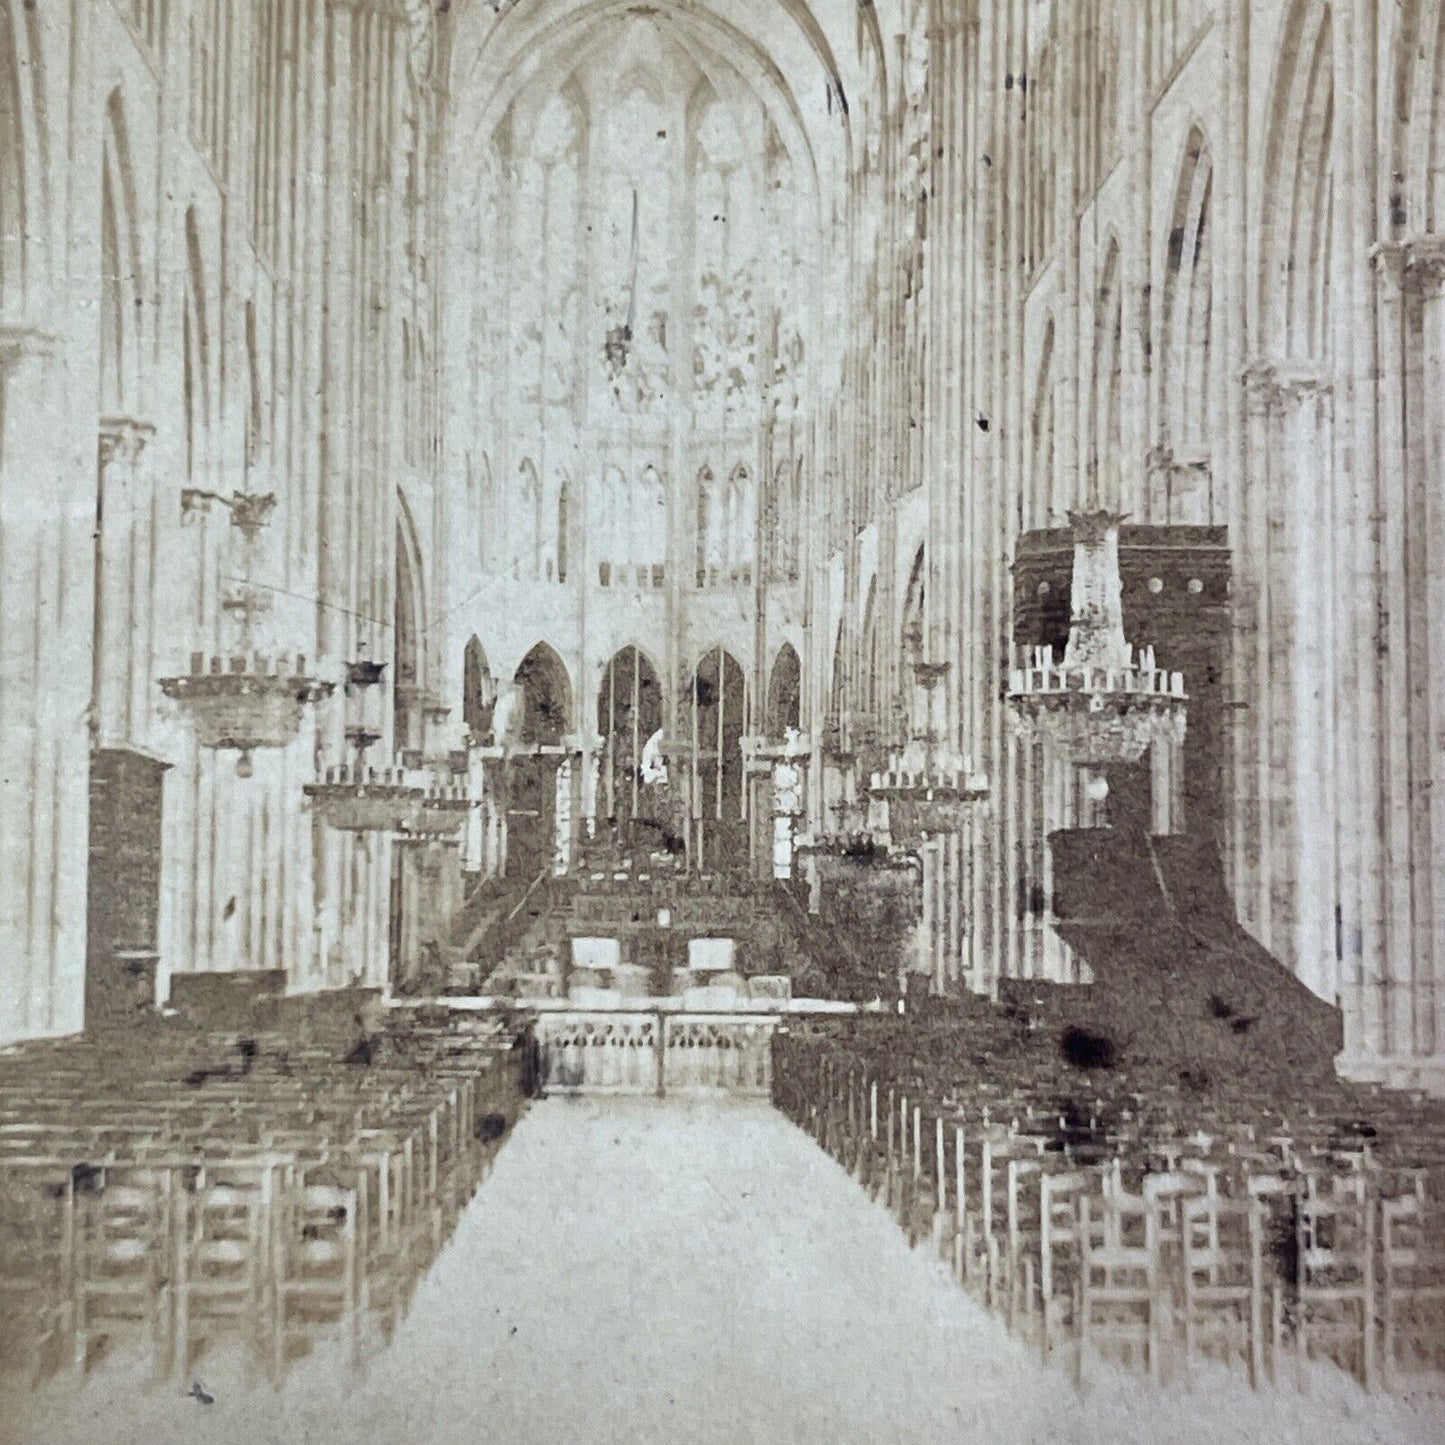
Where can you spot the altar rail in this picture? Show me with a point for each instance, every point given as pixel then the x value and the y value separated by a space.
pixel 656 1053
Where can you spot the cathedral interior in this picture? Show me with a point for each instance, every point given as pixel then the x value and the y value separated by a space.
pixel 913 512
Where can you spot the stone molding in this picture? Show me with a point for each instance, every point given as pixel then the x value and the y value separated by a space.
pixel 1414 265
pixel 123 438
pixel 1277 386
pixel 19 341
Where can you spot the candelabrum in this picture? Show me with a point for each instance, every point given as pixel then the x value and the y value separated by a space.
pixel 929 789
pixel 363 800
pixel 443 809
pixel 246 702
pixel 1104 703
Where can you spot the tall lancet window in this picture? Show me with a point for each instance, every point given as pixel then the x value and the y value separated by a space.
pixel 709 532
pixel 725 310
pixel 634 251
pixel 649 527
pixel 564 514
pixel 543 304
pixel 526 528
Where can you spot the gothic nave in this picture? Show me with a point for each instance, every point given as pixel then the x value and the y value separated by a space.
pixel 538 532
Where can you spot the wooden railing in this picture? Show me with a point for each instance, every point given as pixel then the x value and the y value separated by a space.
pixel 655 1053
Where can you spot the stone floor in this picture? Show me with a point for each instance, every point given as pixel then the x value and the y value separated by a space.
pixel 641 1271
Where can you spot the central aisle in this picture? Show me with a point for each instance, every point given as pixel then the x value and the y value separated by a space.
pixel 642 1271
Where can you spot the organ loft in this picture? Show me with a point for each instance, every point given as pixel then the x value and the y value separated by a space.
pixel 671 517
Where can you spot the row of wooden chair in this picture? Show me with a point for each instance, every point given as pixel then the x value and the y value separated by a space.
pixel 273 1209
pixel 1164 1253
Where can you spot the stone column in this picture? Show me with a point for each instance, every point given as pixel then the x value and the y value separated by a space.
pixel 1403 1009
pixel 565 816
pixel 1427 607
pixel 47 517
pixel 474 842
pixel 122 659
pixel 1296 868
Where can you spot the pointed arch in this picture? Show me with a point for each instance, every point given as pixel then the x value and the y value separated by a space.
pixel 739 526
pixel 785 692
pixel 1297 198
pixel 649 527
pixel 120 282
pixel 1108 376
pixel 629 712
pixel 479 690
pixel 24 160
pixel 1185 368
pixel 546 697
pixel 717 714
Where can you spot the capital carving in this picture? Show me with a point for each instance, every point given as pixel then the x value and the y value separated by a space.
pixel 1414 265
pixel 1277 386
pixel 18 342
pixel 123 439
pixel 1163 462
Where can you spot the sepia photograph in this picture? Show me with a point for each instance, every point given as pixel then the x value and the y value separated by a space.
pixel 722 721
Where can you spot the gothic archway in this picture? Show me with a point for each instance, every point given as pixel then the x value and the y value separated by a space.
pixel 544 695
pixel 785 692
pixel 717 717
pixel 629 712
pixel 479 690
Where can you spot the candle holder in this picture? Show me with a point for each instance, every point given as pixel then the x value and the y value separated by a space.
pixel 929 790
pixel 439 818
pixel 246 702
pixel 363 800
pixel 1104 703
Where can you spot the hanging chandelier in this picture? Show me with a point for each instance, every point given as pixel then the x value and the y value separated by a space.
pixel 439 817
pixel 929 789
pixel 246 702
pixel 1104 703
pixel 363 800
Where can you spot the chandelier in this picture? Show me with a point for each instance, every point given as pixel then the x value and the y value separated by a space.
pixel 1104 703
pixel 246 702
pixel 442 811
pixel 363 800
pixel 929 789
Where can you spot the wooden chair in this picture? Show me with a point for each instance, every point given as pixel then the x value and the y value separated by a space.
pixel 37 1224
pixel 122 1264
pixel 223 1259
pixel 1412 1284
pixel 1336 1292
pixel 1223 1279
pixel 317 1268
pixel 1060 1254
pixel 1119 1295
